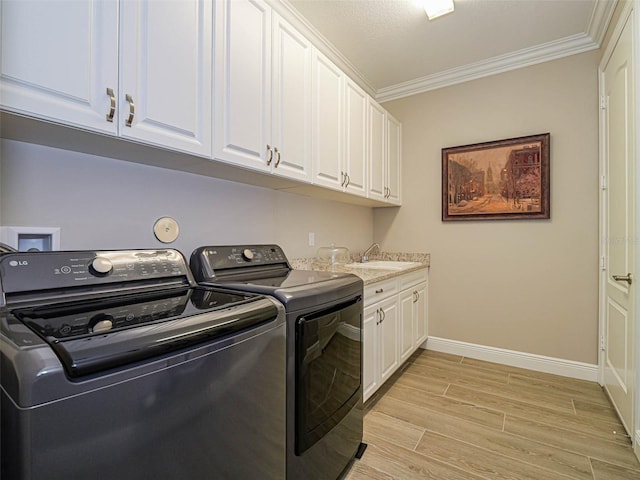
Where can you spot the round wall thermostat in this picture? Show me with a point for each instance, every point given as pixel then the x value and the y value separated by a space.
pixel 166 229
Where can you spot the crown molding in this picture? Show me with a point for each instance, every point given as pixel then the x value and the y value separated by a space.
pixel 600 19
pixel 565 47
pixel 590 40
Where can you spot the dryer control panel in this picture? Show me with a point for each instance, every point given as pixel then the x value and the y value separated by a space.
pixel 208 262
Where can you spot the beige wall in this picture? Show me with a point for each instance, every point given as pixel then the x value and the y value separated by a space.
pixel 101 203
pixel 529 286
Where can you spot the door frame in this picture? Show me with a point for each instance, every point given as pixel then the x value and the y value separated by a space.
pixel 631 11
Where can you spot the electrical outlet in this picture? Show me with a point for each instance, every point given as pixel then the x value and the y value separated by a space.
pixel 312 239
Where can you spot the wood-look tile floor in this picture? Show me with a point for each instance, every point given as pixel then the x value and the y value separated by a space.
pixel 448 417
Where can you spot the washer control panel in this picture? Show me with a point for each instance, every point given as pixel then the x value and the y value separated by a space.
pixel 34 271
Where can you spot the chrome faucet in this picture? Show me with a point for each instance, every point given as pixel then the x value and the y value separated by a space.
pixel 365 255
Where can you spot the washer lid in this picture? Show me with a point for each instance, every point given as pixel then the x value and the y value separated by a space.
pixel 96 335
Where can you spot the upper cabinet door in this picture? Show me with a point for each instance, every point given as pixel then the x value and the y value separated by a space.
pixel 166 77
pixel 291 118
pixel 242 104
pixel 58 59
pixel 355 142
pixel 327 123
pixel 377 152
pixel 394 159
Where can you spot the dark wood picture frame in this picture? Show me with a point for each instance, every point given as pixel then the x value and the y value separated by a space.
pixel 499 180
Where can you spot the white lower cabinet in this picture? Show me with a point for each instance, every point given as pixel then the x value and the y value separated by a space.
pixel 394 326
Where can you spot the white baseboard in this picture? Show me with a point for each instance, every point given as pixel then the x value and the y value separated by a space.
pixel 531 361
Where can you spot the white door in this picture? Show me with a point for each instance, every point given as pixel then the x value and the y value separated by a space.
pixel 242 105
pixel 356 103
pixel 327 123
pixel 58 59
pixel 619 202
pixel 291 124
pixel 166 78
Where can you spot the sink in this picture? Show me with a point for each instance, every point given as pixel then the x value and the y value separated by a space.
pixel 383 265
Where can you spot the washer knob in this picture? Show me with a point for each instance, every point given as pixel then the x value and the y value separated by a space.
pixel 102 265
pixel 247 254
pixel 101 323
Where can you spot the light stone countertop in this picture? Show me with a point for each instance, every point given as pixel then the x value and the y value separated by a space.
pixel 368 275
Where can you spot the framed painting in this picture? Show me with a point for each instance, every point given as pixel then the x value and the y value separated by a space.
pixel 500 180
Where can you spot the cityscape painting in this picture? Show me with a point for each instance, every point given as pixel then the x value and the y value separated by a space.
pixel 504 179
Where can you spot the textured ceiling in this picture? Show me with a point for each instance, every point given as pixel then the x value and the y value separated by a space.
pixel 392 42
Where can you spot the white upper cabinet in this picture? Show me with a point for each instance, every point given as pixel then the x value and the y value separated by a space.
pixel 58 60
pixel 328 123
pixel 61 62
pixel 340 130
pixel 262 91
pixel 356 103
pixel 166 73
pixel 394 159
pixel 377 152
pixel 242 102
pixel 228 80
pixel 385 143
pixel 291 118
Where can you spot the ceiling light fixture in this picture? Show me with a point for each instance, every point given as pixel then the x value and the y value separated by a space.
pixel 437 8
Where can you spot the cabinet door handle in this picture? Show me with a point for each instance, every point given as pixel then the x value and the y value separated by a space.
pixel 132 110
pixel 112 107
pixel 384 315
pixel 343 176
pixel 278 158
pixel 377 316
pixel 348 179
pixel 270 155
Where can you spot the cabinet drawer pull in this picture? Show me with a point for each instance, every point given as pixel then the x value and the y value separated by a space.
pixel 270 155
pixel 380 290
pixel 278 158
pixel 112 107
pixel 132 110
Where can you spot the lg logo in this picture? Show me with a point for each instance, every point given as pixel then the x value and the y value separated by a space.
pixel 18 263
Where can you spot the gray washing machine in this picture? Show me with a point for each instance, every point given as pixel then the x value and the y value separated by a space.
pixel 115 365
